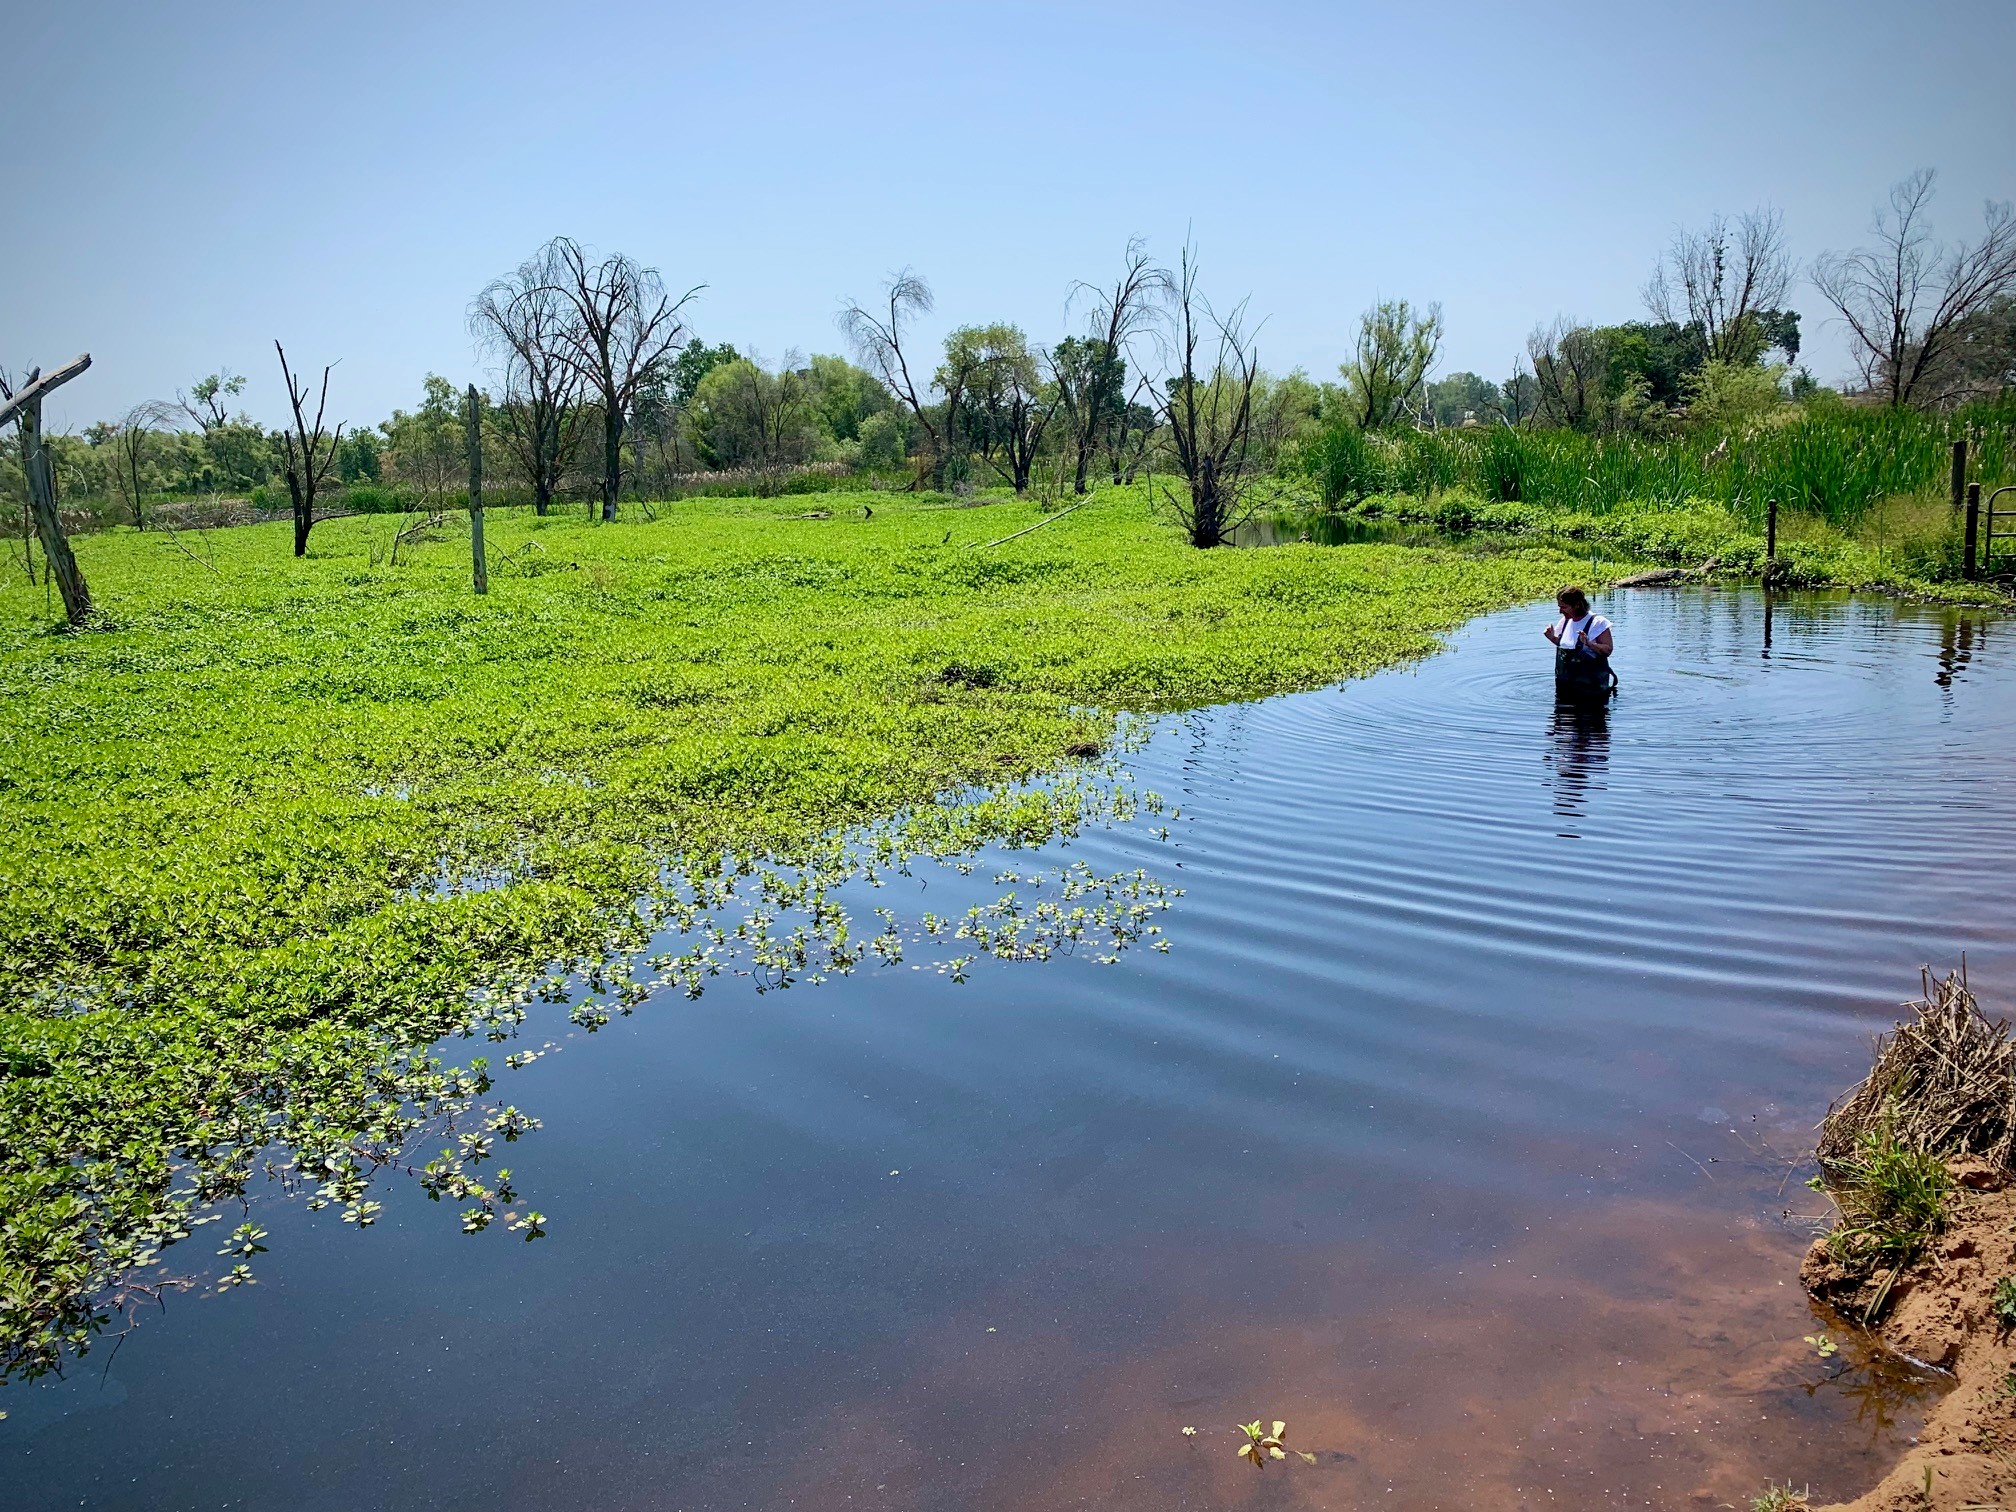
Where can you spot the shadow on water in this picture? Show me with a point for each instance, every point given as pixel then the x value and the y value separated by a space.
pixel 1462 1127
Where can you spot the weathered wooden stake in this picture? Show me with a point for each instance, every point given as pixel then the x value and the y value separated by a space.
pixel 25 409
pixel 1969 562
pixel 1959 473
pixel 42 494
pixel 473 429
pixel 1770 532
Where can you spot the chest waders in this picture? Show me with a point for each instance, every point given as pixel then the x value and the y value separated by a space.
pixel 1582 673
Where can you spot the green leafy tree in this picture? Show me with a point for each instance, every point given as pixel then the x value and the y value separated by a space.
pixel 357 458
pixel 1005 411
pixel 845 396
pixel 743 416
pixel 426 447
pixel 208 400
pixel 695 361
pixel 1464 398
pixel 885 439
pixel 1386 377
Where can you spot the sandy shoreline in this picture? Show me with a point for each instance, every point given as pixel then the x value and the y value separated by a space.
pixel 1941 1314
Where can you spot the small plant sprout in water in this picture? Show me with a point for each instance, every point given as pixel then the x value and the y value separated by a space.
pixel 1822 1345
pixel 1261 1445
pixel 1781 1499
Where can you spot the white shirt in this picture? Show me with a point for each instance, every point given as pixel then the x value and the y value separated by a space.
pixel 1573 632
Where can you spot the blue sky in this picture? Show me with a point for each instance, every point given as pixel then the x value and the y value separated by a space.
pixel 346 177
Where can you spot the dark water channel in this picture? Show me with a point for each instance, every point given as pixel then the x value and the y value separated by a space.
pixel 1459 1128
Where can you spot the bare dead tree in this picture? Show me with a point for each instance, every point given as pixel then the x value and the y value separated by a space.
pixel 877 340
pixel 310 450
pixel 1209 414
pixel 1723 280
pixel 131 440
pixel 1906 298
pixel 620 336
pixel 1091 374
pixel 1568 373
pixel 521 320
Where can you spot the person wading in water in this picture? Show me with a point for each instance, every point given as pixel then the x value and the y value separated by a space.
pixel 1582 646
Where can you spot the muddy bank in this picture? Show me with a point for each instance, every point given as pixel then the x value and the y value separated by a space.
pixel 1941 1313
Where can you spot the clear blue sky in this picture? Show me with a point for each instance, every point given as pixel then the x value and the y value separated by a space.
pixel 205 178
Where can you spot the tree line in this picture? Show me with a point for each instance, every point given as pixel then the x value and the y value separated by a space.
pixel 601 388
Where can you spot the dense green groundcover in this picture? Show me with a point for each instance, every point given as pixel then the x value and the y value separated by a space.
pixel 1916 552
pixel 276 826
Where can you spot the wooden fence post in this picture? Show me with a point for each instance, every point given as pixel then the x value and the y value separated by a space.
pixel 1770 533
pixel 24 407
pixel 48 523
pixel 1969 561
pixel 473 428
pixel 1959 473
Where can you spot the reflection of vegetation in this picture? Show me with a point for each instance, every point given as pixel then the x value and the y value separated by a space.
pixel 285 824
pixel 1881 1386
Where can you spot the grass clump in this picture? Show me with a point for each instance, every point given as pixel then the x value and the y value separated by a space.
pixel 1892 1197
pixel 281 824
pixel 1781 1499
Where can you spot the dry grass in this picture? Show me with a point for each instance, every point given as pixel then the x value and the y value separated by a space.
pixel 1944 1083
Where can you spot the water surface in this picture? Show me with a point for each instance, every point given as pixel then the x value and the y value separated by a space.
pixel 1460 1128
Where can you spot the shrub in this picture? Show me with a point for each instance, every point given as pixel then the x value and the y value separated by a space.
pixel 370 498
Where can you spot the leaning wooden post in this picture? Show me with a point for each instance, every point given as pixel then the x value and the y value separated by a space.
pixel 1969 561
pixel 1959 474
pixel 473 429
pixel 25 409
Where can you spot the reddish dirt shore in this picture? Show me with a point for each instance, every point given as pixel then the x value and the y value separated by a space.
pixel 1941 1314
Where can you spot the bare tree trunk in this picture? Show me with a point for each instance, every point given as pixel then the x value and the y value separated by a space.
pixel 612 460
pixel 473 425
pixel 42 497
pixel 304 507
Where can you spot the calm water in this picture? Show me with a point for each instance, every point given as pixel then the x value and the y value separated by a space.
pixel 1458 1129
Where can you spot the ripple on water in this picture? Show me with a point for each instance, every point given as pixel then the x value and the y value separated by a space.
pixel 1458 1128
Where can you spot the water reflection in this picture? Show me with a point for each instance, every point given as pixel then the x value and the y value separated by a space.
pixel 1885 1390
pixel 1957 639
pixel 1577 755
pixel 1390 1144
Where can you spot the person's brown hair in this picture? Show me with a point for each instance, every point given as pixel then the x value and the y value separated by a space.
pixel 1574 598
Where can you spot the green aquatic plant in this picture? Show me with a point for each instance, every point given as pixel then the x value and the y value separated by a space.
pixel 1262 1444
pixel 1781 1499
pixel 285 827
pixel 1893 1200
